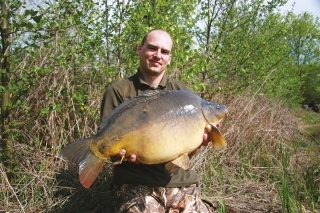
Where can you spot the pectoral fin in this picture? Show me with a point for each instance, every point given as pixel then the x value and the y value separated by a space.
pixel 217 139
pixel 182 161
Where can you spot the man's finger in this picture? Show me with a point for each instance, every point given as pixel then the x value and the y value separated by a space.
pixel 122 152
pixel 206 138
pixel 133 158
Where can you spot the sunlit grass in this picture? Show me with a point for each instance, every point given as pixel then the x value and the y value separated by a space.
pixel 269 164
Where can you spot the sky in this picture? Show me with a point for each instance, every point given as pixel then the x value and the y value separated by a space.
pixel 311 6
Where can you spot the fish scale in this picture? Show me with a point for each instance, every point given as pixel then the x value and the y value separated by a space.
pixel 158 127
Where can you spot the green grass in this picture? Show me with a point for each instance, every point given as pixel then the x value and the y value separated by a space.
pixel 309 117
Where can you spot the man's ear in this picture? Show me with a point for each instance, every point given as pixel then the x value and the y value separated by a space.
pixel 138 50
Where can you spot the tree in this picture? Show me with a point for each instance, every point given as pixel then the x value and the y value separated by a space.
pixel 41 42
pixel 311 85
pixel 5 139
pixel 240 43
pixel 304 40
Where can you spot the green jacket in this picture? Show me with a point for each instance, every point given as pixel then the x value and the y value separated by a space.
pixel 130 173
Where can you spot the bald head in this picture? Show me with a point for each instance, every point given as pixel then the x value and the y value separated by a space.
pixel 155 31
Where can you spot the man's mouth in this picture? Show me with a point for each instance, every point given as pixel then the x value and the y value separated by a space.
pixel 155 62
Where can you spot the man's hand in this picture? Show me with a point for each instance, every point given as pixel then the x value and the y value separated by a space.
pixel 117 158
pixel 206 138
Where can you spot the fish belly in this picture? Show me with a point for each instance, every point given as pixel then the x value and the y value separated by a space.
pixel 162 142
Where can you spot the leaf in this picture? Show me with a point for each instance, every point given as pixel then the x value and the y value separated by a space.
pixel 38 142
pixel 26 107
pixel 42 22
pixel 37 19
pixel 30 12
pixel 44 111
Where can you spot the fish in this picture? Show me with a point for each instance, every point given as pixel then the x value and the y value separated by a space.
pixel 158 127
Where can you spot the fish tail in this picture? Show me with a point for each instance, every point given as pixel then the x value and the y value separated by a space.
pixel 90 165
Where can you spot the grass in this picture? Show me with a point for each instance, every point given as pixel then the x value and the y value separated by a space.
pixel 271 164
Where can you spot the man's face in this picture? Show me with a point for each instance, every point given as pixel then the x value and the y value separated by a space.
pixel 155 54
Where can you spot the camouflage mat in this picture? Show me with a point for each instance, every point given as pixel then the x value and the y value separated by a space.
pixel 147 199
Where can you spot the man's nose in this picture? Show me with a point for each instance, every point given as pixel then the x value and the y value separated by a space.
pixel 158 53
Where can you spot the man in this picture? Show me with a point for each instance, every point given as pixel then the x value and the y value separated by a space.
pixel 151 188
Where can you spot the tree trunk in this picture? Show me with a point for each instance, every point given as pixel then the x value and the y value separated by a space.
pixel 5 138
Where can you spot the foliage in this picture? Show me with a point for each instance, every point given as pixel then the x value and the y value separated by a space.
pixel 58 56
pixel 311 86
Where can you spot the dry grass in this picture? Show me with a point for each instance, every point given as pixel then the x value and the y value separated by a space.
pixel 264 138
pixel 246 176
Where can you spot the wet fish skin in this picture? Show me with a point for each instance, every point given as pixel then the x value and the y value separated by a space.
pixel 158 127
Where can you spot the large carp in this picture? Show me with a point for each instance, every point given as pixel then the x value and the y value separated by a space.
pixel 157 127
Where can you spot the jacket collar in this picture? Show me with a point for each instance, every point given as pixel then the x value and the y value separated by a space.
pixel 163 83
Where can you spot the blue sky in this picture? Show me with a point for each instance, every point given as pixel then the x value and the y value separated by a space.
pixel 311 6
